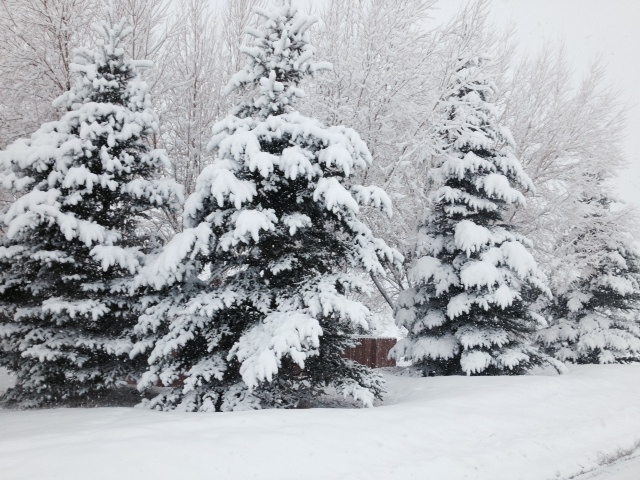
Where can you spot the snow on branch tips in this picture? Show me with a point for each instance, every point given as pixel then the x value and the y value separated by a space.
pixel 475 280
pixel 85 188
pixel 281 203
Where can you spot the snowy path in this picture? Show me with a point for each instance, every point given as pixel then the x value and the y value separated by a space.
pixel 443 428
pixel 626 469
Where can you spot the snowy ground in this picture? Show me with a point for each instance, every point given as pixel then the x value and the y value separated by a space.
pixel 444 428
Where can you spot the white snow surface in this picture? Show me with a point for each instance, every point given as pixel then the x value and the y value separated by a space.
pixel 536 427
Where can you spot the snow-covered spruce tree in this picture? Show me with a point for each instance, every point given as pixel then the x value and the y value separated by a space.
pixel 596 317
pixel 75 237
pixel 469 310
pixel 273 224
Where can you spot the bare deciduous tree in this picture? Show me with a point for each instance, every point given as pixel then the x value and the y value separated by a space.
pixel 569 139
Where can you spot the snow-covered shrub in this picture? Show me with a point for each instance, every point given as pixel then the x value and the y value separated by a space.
pixel 76 234
pixel 256 293
pixel 469 310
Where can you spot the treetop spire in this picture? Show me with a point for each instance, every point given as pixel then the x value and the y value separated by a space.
pixel 105 75
pixel 280 58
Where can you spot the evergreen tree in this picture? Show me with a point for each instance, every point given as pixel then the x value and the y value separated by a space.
pixel 596 318
pixel 469 310
pixel 258 290
pixel 78 231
